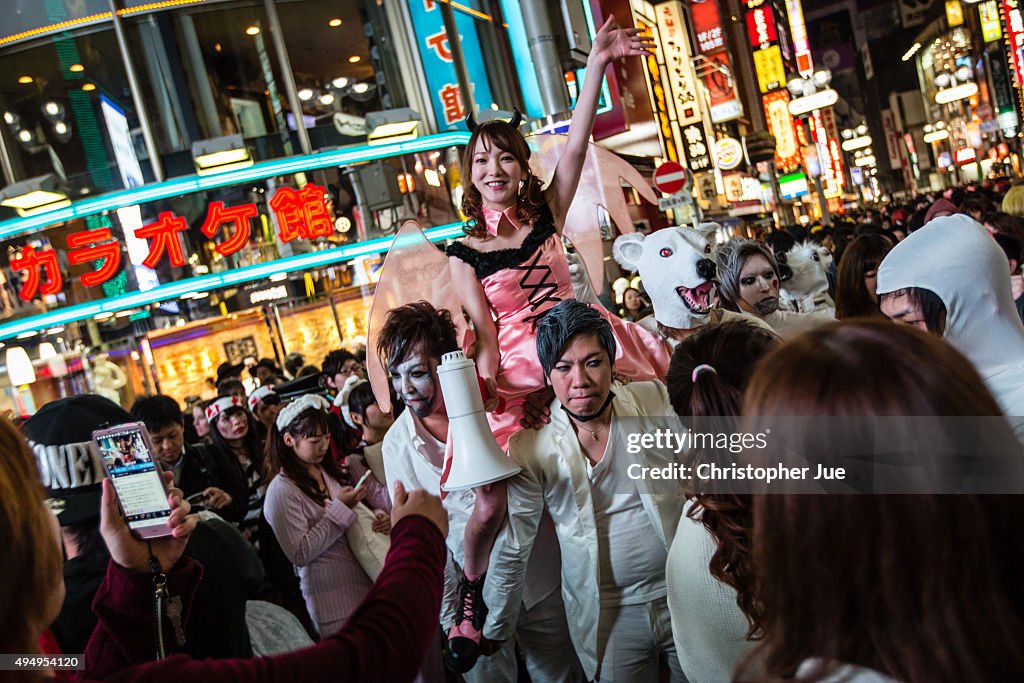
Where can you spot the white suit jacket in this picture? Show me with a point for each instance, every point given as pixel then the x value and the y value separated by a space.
pixel 555 474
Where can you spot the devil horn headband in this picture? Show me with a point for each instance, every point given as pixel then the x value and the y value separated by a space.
pixel 515 121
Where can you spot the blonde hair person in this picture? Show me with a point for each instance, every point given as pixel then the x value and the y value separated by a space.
pixel 1013 201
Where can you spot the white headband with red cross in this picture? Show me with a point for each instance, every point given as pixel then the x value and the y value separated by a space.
pixel 223 403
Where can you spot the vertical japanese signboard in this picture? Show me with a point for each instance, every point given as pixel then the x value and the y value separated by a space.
pixel 716 69
pixel 991 28
pixel 681 83
pixel 835 156
pixel 1015 38
pixel 798 32
pixel 780 125
pixel 660 99
pixel 436 55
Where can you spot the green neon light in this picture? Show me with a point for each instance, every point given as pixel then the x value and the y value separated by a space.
pixel 194 183
pixel 606 93
pixel 206 283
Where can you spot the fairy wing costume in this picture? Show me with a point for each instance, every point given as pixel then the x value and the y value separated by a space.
pixel 523 283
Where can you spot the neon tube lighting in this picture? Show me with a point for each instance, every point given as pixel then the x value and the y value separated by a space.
pixel 205 283
pixel 195 183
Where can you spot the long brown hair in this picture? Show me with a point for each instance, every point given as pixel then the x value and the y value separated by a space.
pixel 732 349
pixel 864 254
pixel 530 199
pixel 923 588
pixel 281 457
pixel 31 564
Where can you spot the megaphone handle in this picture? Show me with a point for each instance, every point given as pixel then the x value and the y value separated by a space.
pixel 487 395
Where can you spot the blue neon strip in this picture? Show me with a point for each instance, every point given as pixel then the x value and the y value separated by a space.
pixel 208 282
pixel 195 183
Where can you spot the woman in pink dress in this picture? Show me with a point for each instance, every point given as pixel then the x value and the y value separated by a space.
pixel 509 270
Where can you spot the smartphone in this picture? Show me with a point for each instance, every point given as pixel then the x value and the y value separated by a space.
pixel 127 455
pixel 362 479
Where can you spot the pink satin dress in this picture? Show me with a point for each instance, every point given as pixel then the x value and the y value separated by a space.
pixel 521 285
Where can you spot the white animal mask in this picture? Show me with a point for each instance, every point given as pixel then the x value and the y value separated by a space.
pixel 807 289
pixel 677 267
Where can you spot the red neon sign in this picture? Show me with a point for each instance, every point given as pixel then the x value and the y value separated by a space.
pixel 301 214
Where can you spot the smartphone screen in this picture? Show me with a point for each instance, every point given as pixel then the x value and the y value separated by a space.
pixel 136 478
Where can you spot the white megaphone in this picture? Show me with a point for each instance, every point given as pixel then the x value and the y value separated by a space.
pixel 476 457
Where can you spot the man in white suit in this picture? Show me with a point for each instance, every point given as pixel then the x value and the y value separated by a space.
pixel 614 531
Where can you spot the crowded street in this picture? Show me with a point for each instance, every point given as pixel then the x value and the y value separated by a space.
pixel 511 341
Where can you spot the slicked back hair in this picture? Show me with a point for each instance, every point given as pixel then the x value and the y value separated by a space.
pixel 565 321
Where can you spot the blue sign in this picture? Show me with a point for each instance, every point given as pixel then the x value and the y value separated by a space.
pixel 435 53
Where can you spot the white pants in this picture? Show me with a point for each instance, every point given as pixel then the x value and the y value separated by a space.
pixel 636 642
pixel 543 635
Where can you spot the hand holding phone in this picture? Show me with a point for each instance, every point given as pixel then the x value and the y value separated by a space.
pixel 134 554
pixel 362 479
pixel 141 490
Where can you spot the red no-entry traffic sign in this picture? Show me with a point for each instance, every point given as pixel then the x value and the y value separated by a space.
pixel 670 177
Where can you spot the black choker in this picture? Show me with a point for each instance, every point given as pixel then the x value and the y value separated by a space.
pixel 588 418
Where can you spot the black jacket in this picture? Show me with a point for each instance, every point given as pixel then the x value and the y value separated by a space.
pixel 203 467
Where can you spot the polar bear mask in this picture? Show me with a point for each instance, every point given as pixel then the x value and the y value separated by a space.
pixel 677 267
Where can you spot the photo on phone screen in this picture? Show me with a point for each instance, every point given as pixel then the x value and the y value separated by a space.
pixel 137 480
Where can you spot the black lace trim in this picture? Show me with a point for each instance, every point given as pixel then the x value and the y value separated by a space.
pixel 490 262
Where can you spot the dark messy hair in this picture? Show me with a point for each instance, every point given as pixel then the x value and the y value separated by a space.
pixel 530 199
pixel 410 326
pixel 564 322
pixel 864 254
pixel 157 412
pixel 933 311
pixel 360 399
pixel 921 588
pixel 227 387
pixel 280 458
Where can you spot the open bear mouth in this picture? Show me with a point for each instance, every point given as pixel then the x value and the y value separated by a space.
pixel 697 299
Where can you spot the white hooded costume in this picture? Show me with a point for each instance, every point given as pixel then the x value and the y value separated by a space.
pixel 956 259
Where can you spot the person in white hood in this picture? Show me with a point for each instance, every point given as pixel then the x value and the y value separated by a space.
pixel 949 278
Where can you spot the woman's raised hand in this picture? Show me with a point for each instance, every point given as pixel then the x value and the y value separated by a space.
pixel 613 42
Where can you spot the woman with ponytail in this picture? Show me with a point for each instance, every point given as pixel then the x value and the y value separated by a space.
pixel 715 613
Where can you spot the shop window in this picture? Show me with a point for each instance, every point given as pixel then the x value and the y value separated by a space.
pixel 52 95
pixel 206 72
pixel 339 59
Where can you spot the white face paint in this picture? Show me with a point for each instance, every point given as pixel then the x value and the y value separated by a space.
pixel 671 263
pixel 759 287
pixel 415 381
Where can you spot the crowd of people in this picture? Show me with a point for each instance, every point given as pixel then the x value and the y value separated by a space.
pixel 312 537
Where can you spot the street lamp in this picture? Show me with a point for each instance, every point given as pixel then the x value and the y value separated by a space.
pixel 811 94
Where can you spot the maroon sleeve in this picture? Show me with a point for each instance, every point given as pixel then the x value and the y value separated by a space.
pixel 124 616
pixel 384 639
